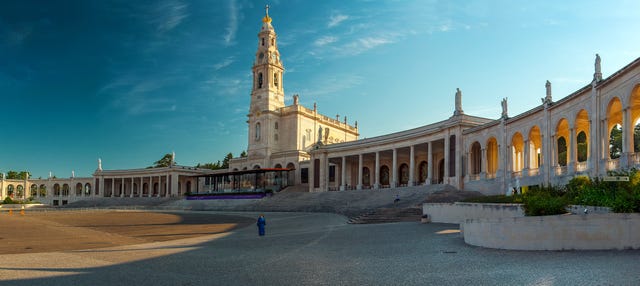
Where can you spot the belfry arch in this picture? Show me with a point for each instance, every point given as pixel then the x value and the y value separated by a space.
pixel 475 157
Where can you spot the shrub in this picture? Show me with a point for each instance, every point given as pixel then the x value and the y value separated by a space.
pixel 547 200
pixel 7 200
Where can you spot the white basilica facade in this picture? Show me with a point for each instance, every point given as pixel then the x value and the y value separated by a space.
pixel 547 145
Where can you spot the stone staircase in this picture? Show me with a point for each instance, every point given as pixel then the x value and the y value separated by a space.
pixel 386 215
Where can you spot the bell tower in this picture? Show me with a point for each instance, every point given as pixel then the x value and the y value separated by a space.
pixel 267 94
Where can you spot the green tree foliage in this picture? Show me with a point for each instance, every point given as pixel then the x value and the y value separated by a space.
pixel 562 151
pixel 243 154
pixel 164 162
pixel 14 175
pixel 615 142
pixel 582 146
pixel 217 165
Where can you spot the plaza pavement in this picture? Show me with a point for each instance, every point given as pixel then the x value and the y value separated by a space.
pixel 320 249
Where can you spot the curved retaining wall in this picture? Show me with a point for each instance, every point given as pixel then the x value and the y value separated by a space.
pixel 459 212
pixel 561 232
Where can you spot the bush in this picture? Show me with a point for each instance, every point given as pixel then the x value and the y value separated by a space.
pixel 547 200
pixel 7 200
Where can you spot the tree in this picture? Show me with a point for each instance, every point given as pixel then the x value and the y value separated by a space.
pixel 562 151
pixel 14 175
pixel 164 162
pixel 615 142
pixel 243 154
pixel 212 166
pixel 225 161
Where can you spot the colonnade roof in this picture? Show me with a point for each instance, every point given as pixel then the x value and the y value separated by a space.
pixel 430 129
pixel 157 171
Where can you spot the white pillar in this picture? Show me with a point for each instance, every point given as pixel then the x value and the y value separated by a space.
pixel 343 174
pixel 429 163
pixel 412 165
pixel 571 152
pixel 113 187
pixel 359 185
pixel 394 176
pixel 376 185
pixel 527 158
pixel 483 163
pixel 446 159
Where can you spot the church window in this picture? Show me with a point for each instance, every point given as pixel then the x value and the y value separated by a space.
pixel 258 131
pixel 260 80
pixel 275 126
pixel 275 79
pixel 273 42
pixel 263 41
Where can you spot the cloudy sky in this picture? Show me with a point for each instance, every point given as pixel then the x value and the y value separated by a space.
pixel 129 81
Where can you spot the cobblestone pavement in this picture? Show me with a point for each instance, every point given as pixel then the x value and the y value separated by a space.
pixel 320 249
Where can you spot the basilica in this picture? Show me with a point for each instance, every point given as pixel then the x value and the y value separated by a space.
pixel 546 145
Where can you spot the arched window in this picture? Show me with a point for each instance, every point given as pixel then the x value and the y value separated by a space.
pixel 562 151
pixel 259 80
pixel 258 131
pixel 275 126
pixel 582 146
pixel 275 79
pixel 263 41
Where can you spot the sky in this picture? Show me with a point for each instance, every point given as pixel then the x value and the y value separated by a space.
pixel 129 81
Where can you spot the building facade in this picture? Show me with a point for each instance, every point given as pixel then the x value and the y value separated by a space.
pixel 547 145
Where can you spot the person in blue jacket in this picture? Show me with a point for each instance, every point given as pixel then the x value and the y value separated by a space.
pixel 261 223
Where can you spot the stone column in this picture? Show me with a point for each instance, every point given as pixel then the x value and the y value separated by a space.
pixel 429 163
pixel 113 187
pixel 312 173
pixel 394 169
pixel 359 186
pixel 412 165
pixel 376 185
pixel 100 186
pixel 343 174
pixel 571 151
pixel 123 187
pixel 627 140
pixel 446 158
pixel 527 159
pixel 483 163
pixel 175 181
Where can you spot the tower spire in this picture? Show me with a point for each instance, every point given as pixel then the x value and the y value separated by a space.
pixel 266 18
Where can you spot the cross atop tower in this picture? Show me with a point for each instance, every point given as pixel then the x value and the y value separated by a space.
pixel 266 8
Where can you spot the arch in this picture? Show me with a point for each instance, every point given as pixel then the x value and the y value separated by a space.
pixel 475 158
pixel 292 175
pixel 20 191
pixel 614 128
pixel 257 131
pixel 366 176
pixel 259 80
pixel 583 127
pixel 517 152
pixel 87 189
pixel 634 105
pixel 562 133
pixel 422 171
pixel 79 189
pixel 278 166
pixel 33 190
pixel 492 157
pixel 403 174
pixel 10 190
pixel 56 189
pixel 42 191
pixel 65 190
pixel 535 148
pixel 384 175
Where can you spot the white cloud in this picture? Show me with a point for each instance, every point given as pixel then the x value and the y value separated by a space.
pixel 224 63
pixel 232 25
pixel 332 85
pixel 170 14
pixel 335 20
pixel 325 40
pixel 364 44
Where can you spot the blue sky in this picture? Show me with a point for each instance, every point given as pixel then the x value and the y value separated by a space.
pixel 129 81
